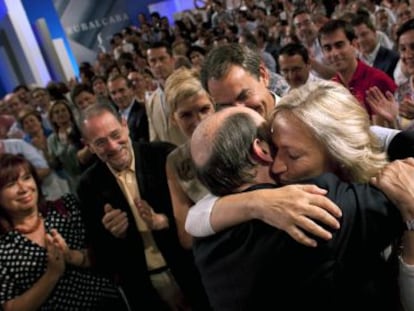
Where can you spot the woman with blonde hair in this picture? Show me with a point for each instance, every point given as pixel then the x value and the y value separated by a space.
pixel 189 104
pixel 330 116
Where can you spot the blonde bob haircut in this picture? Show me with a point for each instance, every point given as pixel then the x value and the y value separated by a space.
pixel 181 85
pixel 337 120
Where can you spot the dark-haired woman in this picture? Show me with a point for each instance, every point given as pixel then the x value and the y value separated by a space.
pixel 43 259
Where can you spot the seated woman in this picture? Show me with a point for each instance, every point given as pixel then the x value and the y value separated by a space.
pixel 310 138
pixel 189 104
pixel 47 268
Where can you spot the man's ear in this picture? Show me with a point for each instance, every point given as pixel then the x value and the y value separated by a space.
pixel 264 74
pixel 261 150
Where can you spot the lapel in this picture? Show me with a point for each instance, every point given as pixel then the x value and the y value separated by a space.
pixel 159 113
pixel 135 115
pixel 380 58
pixel 108 187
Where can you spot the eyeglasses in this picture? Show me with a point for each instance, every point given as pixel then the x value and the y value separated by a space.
pixel 103 141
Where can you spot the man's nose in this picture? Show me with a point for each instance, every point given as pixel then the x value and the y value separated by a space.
pixel 278 166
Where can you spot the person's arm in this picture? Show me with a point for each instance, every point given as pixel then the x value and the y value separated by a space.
pixel 84 155
pixel 384 106
pixel 75 257
pixel 181 204
pixel 384 134
pixel 293 208
pixel 397 182
pixel 197 222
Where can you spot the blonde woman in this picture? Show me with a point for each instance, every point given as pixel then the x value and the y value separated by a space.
pixel 333 125
pixel 189 103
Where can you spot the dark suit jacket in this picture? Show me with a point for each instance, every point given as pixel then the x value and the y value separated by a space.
pixel 138 123
pixel 124 259
pixel 386 60
pixel 401 146
pixel 253 266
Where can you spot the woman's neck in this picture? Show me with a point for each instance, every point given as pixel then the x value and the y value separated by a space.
pixel 64 126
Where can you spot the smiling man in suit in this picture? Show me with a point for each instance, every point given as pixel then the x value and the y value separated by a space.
pixel 141 253
pixel 370 49
pixel 123 96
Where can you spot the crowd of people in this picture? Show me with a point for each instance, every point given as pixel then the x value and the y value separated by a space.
pixel 248 154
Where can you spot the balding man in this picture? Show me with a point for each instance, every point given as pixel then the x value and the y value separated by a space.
pixel 237 265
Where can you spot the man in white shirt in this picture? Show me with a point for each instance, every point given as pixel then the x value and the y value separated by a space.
pixel 295 65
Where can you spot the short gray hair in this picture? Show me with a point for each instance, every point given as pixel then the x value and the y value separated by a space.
pixel 230 165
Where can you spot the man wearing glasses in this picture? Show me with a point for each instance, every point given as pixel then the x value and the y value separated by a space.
pixel 307 33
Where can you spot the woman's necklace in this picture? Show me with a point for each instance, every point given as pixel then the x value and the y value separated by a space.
pixel 33 228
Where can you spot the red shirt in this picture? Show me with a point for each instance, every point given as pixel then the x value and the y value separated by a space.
pixel 364 78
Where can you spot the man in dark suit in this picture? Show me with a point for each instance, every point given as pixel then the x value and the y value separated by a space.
pixel 140 252
pixel 371 50
pixel 122 94
pixel 253 266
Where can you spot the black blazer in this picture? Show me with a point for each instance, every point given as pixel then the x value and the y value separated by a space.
pixel 138 123
pixel 253 266
pixel 124 259
pixel 386 60
pixel 402 145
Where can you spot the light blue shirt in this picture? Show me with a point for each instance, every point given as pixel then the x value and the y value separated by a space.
pixel 19 146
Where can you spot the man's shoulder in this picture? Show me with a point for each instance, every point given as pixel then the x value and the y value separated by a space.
pixel 95 169
pixel 386 52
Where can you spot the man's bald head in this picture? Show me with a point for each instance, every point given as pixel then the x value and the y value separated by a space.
pixel 203 137
pixel 221 148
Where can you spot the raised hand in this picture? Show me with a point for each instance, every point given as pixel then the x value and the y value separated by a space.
pixel 154 221
pixel 55 257
pixel 383 105
pixel 407 108
pixel 115 221
pixel 397 182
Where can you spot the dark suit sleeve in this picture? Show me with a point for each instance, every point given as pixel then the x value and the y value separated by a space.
pixel 401 146
pixel 97 238
pixel 370 222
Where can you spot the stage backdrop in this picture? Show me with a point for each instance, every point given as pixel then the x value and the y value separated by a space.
pixel 90 24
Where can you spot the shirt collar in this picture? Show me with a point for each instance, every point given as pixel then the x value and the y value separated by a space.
pixel 370 58
pixel 275 96
pixel 125 113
